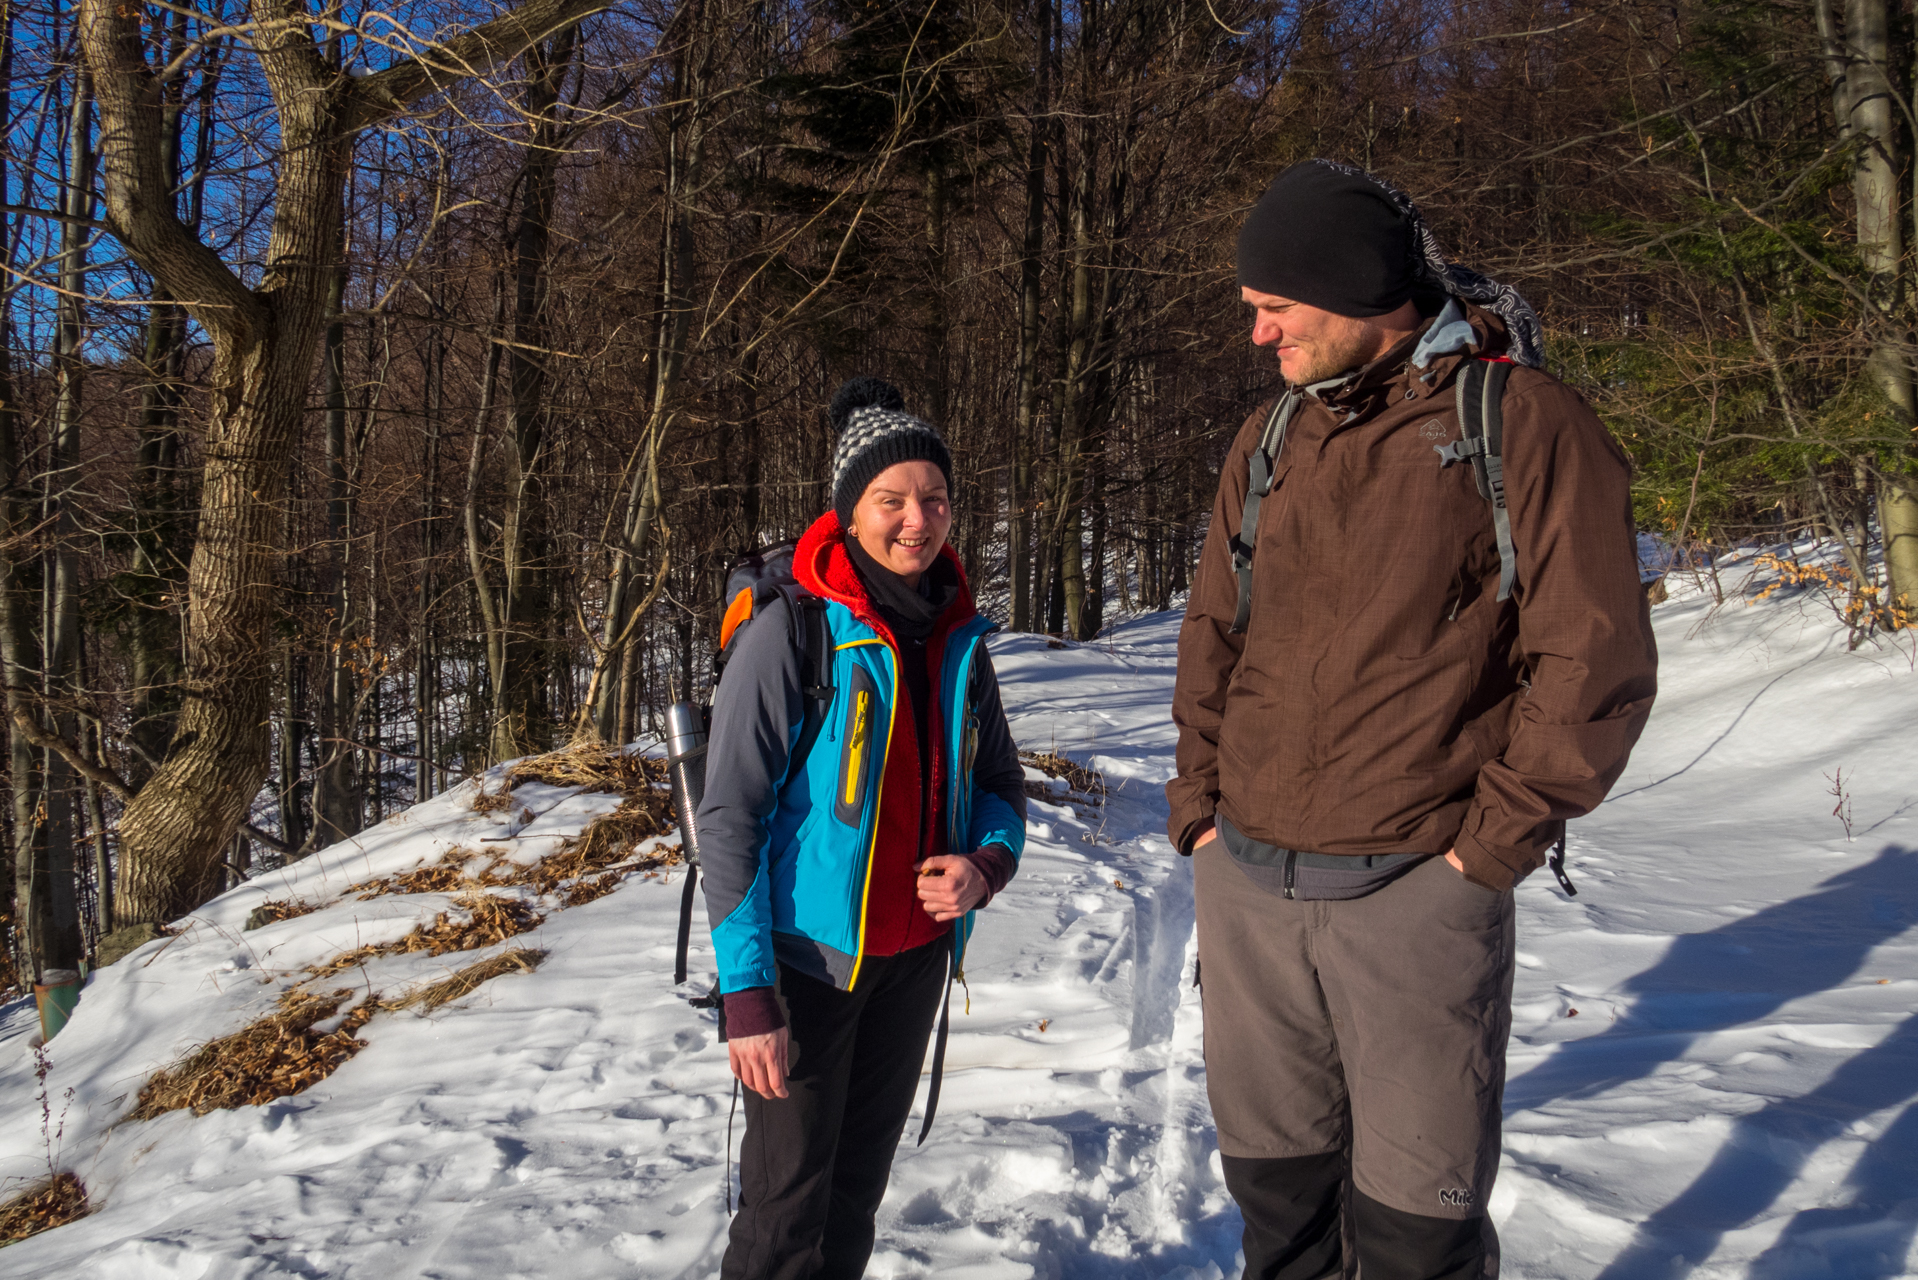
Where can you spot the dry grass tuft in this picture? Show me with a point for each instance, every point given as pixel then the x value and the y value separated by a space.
pixel 489 920
pixel 585 891
pixel 468 980
pixel 609 839
pixel 276 910
pixel 1088 786
pixel 485 803
pixel 451 872
pixel 591 765
pixel 49 1203
pixel 275 1057
pixel 603 842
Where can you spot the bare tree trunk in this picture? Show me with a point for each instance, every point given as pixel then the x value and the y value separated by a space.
pixel 338 807
pixel 97 823
pixel 1862 96
pixel 62 944
pixel 685 158
pixel 23 772
pixel 1081 322
pixel 527 592
pixel 158 554
pixel 1019 518
pixel 1876 187
pixel 175 831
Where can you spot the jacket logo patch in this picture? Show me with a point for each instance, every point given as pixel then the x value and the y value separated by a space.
pixel 1455 1198
pixel 1434 430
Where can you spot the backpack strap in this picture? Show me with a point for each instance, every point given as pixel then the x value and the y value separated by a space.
pixel 813 638
pixel 685 935
pixel 939 1042
pixel 1556 861
pixel 1259 483
pixel 1481 418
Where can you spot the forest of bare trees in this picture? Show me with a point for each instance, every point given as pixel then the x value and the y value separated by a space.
pixel 387 391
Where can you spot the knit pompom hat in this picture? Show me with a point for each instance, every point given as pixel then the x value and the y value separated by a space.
pixel 875 431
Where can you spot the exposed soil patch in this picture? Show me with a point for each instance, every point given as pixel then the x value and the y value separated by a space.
pixel 279 1055
pixel 48 1203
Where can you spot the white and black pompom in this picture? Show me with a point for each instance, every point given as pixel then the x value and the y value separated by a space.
pixel 863 393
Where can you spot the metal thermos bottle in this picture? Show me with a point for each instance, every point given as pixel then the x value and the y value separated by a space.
pixel 686 767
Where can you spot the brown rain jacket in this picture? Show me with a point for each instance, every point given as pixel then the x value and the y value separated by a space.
pixel 1382 700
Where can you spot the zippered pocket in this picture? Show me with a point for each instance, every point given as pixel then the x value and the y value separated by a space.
pixel 856 748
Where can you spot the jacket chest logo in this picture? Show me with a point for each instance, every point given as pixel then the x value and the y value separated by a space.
pixel 1434 431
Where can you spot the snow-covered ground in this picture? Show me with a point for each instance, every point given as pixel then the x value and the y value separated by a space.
pixel 1733 1095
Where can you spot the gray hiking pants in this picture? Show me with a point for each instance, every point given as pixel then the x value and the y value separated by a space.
pixel 1374 1026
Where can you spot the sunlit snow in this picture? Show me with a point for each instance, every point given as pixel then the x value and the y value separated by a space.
pixel 1733 1097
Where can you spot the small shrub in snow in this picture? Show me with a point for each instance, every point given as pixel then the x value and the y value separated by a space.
pixel 1088 786
pixel 1861 606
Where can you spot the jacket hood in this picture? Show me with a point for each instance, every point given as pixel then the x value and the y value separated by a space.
pixel 1461 331
pixel 821 565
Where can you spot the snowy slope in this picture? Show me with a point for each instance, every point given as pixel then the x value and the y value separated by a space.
pixel 1733 1096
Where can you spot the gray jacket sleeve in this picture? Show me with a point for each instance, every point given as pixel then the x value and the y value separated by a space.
pixel 757 711
pixel 997 768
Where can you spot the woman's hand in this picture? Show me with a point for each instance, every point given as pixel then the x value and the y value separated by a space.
pixel 950 886
pixel 760 1061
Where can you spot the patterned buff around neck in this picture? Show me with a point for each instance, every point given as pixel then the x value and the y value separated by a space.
pixel 1526 337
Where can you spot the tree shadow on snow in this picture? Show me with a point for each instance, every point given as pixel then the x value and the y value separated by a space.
pixel 1734 975
pixel 1767 1151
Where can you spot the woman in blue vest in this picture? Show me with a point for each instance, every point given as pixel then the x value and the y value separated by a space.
pixel 841 885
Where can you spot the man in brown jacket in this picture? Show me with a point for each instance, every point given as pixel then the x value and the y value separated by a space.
pixel 1388 731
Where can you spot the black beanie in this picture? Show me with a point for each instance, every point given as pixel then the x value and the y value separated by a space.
pixel 875 431
pixel 1331 238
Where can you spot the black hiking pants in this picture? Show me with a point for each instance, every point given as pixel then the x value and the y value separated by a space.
pixel 813 1166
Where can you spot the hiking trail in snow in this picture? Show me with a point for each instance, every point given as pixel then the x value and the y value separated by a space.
pixel 1733 1095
